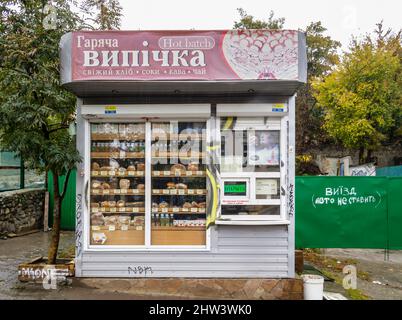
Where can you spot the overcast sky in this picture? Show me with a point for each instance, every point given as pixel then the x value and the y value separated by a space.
pixel 341 17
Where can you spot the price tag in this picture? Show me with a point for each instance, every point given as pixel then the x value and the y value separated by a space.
pixel 116 191
pixel 164 210
pixel 94 173
pixel 166 173
pixel 103 173
pixel 106 191
pixel 156 191
pixel 201 210
pixel 113 209
pixel 157 173
pixel 138 228
pixel 182 191
pixel 112 173
pixel 136 210
pixel 165 191
pixel 123 191
pixel 131 173
pixel 190 191
pixel 185 209
pixel 154 209
pixel 95 191
pixel 122 154
pixel 124 227
pixel 193 209
pixel 175 209
pixel 200 191
pixel 95 228
pixel 177 173
pixel 199 173
pixel 173 191
pixel 135 191
pixel 189 173
pixel 112 228
pixel 102 209
pixel 95 210
pixel 122 209
pixel 121 173
pixel 140 173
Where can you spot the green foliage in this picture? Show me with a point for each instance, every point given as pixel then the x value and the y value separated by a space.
pixel 35 111
pixel 249 22
pixel 105 14
pixel 362 97
pixel 321 57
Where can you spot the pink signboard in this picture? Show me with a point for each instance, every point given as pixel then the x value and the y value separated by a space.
pixel 185 55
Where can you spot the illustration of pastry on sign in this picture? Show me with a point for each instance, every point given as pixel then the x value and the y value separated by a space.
pixel 262 54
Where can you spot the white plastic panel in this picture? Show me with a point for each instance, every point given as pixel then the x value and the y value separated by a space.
pixel 251 109
pixel 173 111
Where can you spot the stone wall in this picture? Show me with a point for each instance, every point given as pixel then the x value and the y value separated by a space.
pixel 21 210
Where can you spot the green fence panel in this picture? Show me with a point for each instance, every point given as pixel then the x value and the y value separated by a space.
pixel 68 204
pixel 395 213
pixel 341 212
pixel 395 171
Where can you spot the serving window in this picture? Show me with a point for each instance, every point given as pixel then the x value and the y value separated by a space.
pixel 252 167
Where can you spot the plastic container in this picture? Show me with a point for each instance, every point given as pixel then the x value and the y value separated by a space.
pixel 313 287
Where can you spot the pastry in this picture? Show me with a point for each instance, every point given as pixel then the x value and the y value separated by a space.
pixel 187 205
pixel 104 204
pixel 140 167
pixel 112 204
pixel 120 203
pixel 202 205
pixel 163 204
pixel 131 168
pixel 95 166
pixel 97 219
pixel 155 205
pixel 192 167
pixel 141 186
pixel 106 168
pixel 124 184
pixel 178 167
pixel 171 185
pixel 95 205
pixel 194 204
pixel 122 171
pixel 137 204
pixel 105 185
pixel 181 186
pixel 96 184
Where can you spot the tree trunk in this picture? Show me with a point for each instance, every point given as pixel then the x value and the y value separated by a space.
pixel 54 244
pixel 361 155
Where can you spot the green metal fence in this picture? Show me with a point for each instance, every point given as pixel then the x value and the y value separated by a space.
pixel 349 212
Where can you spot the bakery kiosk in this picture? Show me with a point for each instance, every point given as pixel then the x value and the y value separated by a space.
pixel 188 146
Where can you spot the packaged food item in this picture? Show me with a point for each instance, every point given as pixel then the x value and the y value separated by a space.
pixel 178 168
pixel 140 167
pixel 163 204
pixel 111 220
pixel 95 166
pixel 120 203
pixel 171 185
pixel 187 205
pixel 96 184
pixel 105 185
pixel 98 238
pixel 124 184
pixel 131 168
pixel 139 204
pixel 97 219
pixel 192 167
pixel 181 186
